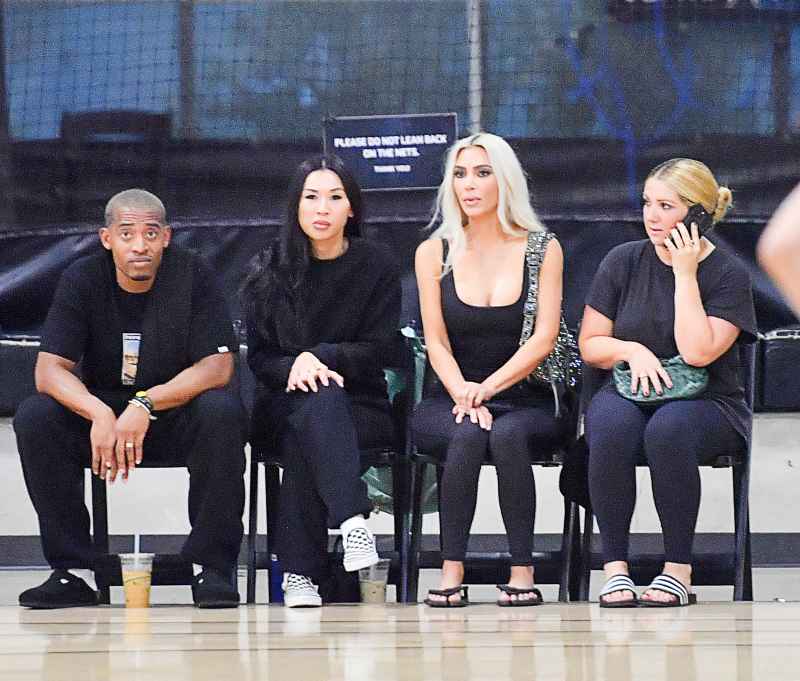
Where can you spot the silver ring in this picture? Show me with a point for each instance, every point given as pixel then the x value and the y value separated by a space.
pixel 129 445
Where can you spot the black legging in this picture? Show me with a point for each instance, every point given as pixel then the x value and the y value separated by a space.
pixel 674 438
pixel 516 433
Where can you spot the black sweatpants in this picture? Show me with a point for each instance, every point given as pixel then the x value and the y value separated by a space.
pixel 319 436
pixel 673 438
pixel 516 433
pixel 206 433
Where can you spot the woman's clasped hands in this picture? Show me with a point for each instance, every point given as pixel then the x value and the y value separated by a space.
pixel 469 401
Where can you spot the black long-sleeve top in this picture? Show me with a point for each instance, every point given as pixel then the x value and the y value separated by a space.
pixel 350 322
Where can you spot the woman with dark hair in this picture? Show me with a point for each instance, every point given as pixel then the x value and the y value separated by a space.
pixel 322 309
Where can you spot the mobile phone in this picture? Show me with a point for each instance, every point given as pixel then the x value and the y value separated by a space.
pixel 698 214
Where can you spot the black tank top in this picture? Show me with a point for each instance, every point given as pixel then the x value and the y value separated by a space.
pixel 483 338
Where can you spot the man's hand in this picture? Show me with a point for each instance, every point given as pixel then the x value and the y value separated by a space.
pixel 131 428
pixel 102 437
pixel 307 370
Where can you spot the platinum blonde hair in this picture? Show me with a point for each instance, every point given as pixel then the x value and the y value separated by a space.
pixel 514 210
pixel 135 199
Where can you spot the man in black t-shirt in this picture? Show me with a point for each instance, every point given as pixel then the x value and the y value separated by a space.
pixel 155 343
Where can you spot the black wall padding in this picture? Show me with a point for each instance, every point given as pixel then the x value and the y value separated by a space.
pixel 31 264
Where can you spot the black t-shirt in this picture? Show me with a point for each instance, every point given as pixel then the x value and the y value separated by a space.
pixel 349 322
pixel 636 290
pixel 78 329
pixel 131 309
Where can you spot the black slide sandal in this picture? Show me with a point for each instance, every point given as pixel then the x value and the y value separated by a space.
pixel 669 585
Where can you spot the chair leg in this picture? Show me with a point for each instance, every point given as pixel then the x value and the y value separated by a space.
pixel 742 560
pixel 100 532
pixel 273 488
pixel 439 476
pixel 415 535
pixel 400 505
pixel 405 557
pixel 252 530
pixel 567 544
pixel 576 535
pixel 586 555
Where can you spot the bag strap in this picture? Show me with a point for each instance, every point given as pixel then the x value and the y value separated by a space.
pixel 534 256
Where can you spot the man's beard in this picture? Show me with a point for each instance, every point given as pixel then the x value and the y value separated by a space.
pixel 137 276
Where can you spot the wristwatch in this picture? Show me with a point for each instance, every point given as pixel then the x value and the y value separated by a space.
pixel 144 398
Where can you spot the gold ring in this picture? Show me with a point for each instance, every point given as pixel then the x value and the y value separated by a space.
pixel 129 445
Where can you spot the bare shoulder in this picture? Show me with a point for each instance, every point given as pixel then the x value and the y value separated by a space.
pixel 430 248
pixel 429 253
pixel 553 250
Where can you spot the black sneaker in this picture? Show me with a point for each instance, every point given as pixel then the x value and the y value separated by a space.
pixel 62 589
pixel 213 589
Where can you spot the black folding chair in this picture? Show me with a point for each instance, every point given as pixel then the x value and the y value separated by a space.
pixel 713 568
pixel 168 568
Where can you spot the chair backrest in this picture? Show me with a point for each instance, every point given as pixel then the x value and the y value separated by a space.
pixel 115 127
pixel 106 152
pixel 244 381
pixel 747 371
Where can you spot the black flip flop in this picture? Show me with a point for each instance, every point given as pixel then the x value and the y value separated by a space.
pixel 514 591
pixel 447 603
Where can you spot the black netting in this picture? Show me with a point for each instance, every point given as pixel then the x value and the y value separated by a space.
pixel 272 70
pixel 219 100
pixel 87 56
pixel 574 69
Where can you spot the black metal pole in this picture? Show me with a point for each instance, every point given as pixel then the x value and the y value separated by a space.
pixel 781 77
pixel 186 56
pixel 6 204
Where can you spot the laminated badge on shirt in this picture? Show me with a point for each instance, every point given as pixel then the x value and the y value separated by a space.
pixel 130 357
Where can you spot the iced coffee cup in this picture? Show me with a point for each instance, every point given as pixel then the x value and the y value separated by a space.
pixel 137 569
pixel 372 581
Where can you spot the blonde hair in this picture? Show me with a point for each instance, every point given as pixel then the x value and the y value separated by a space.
pixel 695 183
pixel 514 210
pixel 135 199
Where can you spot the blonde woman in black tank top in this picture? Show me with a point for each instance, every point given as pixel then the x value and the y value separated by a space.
pixel 472 283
